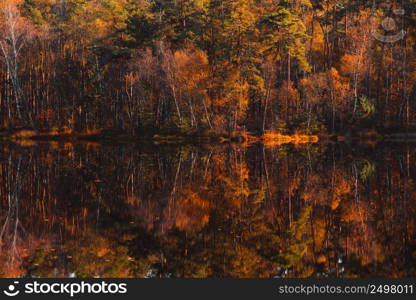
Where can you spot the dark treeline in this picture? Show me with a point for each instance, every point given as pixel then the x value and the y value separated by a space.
pixel 209 66
pixel 223 211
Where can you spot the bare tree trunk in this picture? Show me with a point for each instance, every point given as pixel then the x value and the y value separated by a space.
pixel 11 43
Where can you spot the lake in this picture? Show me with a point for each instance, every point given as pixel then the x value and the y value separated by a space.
pixel 226 210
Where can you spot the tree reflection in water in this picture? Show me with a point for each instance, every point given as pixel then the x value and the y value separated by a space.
pixel 209 211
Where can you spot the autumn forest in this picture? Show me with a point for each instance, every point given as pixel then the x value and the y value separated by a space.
pixel 207 138
pixel 207 67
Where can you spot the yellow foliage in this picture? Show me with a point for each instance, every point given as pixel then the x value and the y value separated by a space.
pixel 273 139
pixel 24 134
pixel 102 252
pixel 321 259
pixel 192 211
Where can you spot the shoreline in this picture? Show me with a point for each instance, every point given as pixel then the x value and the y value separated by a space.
pixel 243 138
pixel 268 138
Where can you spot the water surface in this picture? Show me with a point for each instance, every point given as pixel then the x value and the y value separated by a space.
pixel 142 210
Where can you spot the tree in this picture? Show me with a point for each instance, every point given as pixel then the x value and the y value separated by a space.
pixel 327 89
pixel 15 33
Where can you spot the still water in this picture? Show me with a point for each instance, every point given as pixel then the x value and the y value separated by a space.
pixel 144 210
